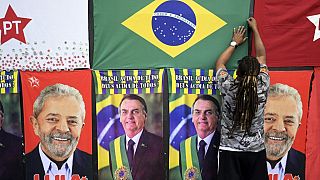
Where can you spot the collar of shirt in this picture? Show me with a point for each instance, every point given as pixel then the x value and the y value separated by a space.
pixel 207 140
pixel 50 167
pixel 279 168
pixel 136 141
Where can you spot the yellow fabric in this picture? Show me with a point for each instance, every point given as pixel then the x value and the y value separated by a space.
pixel 118 152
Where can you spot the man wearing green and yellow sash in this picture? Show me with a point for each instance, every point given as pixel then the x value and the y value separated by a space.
pixel 138 154
pixel 198 153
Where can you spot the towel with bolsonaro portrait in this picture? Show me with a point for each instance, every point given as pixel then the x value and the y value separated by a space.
pixel 193 107
pixel 129 105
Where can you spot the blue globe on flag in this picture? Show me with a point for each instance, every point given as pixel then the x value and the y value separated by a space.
pixel 108 126
pixel 181 126
pixel 173 23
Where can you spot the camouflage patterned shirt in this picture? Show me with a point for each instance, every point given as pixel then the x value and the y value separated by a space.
pixel 239 140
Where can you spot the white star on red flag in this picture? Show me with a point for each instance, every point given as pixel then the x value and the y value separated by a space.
pixel 11 26
pixel 34 82
pixel 315 19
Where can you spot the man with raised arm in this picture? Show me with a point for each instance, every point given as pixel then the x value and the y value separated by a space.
pixel 242 152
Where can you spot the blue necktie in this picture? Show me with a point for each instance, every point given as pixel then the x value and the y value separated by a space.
pixel 201 153
pixel 130 152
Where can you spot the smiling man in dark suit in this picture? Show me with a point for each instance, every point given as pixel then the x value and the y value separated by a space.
pixel 138 154
pixel 198 154
pixel 58 118
pixel 282 119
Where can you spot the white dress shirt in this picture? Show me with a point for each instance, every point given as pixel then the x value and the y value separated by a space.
pixel 51 168
pixel 207 140
pixel 136 139
pixel 279 168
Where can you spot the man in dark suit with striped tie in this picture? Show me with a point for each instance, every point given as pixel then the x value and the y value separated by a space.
pixel 198 153
pixel 138 154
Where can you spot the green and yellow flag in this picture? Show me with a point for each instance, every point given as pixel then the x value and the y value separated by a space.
pixel 9 82
pixel 165 33
pixel 189 159
pixel 120 168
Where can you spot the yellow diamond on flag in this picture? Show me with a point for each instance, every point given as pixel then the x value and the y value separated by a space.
pixel 174 26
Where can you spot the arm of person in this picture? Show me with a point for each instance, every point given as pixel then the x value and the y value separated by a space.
pixel 258 44
pixel 238 37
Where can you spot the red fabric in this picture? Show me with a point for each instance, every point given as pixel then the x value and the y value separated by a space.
pixel 80 80
pixel 287 33
pixel 299 80
pixel 313 130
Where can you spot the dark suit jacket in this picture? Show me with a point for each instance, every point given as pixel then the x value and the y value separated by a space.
pixel 210 167
pixel 82 164
pixel 10 157
pixel 148 160
pixel 296 163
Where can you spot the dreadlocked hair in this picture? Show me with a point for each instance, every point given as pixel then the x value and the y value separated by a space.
pixel 247 96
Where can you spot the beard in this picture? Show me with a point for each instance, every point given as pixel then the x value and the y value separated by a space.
pixel 59 149
pixel 278 150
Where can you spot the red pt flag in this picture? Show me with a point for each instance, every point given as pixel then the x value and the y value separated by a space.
pixel 290 31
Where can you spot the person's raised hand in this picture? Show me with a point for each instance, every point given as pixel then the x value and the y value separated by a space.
pixel 239 35
pixel 252 23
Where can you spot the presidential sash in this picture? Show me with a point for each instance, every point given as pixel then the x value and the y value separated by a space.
pixel 190 167
pixel 119 159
